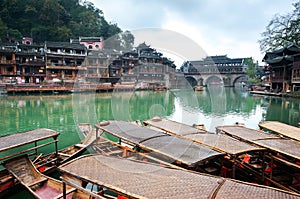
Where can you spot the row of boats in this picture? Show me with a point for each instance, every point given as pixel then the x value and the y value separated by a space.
pixel 158 158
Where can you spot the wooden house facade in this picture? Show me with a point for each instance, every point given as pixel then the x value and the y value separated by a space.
pixel 31 66
pixel 97 64
pixel 8 65
pixel 295 80
pixel 64 60
pixel 283 68
pixel 146 65
pixel 72 61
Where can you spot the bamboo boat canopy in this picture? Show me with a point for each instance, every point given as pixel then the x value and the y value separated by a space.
pixel 19 139
pixel 143 180
pixel 284 146
pixel 223 143
pixel 172 147
pixel 282 129
pixel 128 131
pixel 275 143
pixel 220 143
pixel 179 149
pixel 246 133
pixel 173 127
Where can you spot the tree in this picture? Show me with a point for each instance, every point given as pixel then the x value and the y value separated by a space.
pixel 3 30
pixel 281 30
pixel 127 40
pixel 53 20
pixel 13 36
pixel 251 71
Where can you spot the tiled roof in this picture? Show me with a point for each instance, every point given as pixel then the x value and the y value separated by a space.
pixel 219 59
pixel 64 45
pixel 274 56
pixel 90 39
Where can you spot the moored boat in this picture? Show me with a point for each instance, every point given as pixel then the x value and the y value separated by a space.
pixel 39 185
pixel 281 129
pixel 198 88
pixel 8 144
pixel 174 150
pixel 281 166
pixel 235 150
pixel 44 163
pixel 104 146
pixel 144 180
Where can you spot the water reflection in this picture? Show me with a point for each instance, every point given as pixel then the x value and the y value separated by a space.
pixel 225 106
pixel 127 106
pixel 212 107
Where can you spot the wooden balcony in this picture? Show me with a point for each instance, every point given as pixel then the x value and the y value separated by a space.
pixel 7 62
pixel 73 67
pixel 295 80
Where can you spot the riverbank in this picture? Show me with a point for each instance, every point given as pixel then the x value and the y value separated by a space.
pixel 61 88
pixel 291 94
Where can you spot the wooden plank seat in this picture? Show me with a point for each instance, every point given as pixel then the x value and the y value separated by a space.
pixel 36 181
pixel 64 154
pixel 80 145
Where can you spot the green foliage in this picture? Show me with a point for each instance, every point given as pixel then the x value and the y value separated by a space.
pixel 251 72
pixel 127 40
pixel 123 41
pixel 3 29
pixel 13 35
pixel 52 20
pixel 281 30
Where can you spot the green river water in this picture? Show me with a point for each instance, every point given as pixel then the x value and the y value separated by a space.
pixel 212 107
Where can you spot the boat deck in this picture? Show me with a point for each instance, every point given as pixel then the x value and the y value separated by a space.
pixel 142 180
pixel 39 185
pixel 281 129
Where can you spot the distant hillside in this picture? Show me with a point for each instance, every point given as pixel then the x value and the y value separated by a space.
pixel 52 20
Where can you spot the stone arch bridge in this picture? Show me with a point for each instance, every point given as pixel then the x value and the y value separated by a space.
pixel 228 79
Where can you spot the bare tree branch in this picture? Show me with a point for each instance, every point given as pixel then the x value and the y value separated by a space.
pixel 281 30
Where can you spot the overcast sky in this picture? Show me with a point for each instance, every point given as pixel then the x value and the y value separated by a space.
pixel 219 27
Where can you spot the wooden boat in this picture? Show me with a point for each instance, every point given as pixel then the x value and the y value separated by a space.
pixel 39 185
pixel 104 146
pixel 224 144
pixel 282 160
pixel 281 129
pixel 174 150
pixel 198 88
pixel 13 141
pixel 160 88
pixel 144 180
pixel 44 163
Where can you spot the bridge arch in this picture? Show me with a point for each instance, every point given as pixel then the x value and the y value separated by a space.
pixel 192 81
pixel 239 79
pixel 213 80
